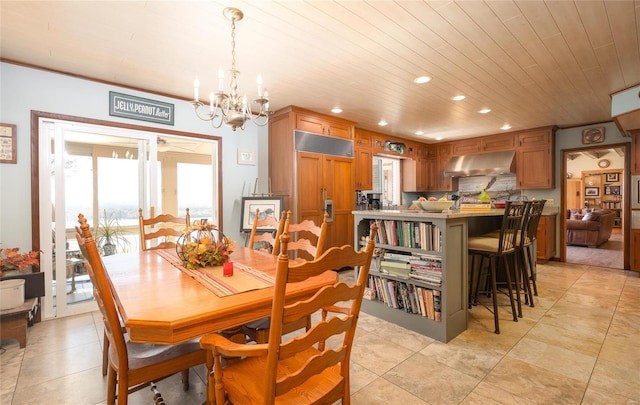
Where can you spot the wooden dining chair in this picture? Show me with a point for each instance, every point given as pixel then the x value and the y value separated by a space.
pixel 271 239
pixel 303 249
pixel 160 232
pixel 307 238
pixel 132 366
pixel 309 369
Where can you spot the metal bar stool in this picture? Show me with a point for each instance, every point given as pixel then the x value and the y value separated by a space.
pixel 496 252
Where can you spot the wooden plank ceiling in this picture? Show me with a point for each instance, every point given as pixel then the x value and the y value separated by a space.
pixel 533 63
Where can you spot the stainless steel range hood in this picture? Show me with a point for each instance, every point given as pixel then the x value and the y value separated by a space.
pixel 485 164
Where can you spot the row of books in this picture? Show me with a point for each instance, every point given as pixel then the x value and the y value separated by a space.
pixel 418 266
pixel 406 297
pixel 410 234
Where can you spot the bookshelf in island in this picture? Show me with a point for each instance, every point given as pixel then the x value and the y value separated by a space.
pixel 418 278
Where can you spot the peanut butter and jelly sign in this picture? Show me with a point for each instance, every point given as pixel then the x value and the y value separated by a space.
pixel 138 108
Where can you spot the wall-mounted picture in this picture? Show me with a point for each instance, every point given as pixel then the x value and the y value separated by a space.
pixel 615 190
pixel 613 177
pixel 592 191
pixel 268 206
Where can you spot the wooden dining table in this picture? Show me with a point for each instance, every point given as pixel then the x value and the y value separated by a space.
pixel 160 303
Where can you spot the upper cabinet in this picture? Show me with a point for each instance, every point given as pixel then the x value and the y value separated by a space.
pixel 535 159
pixel 466 147
pixel 635 151
pixel 325 125
pixel 497 143
pixel 364 159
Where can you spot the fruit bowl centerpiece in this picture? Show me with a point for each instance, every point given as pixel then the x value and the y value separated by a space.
pixel 202 245
pixel 433 206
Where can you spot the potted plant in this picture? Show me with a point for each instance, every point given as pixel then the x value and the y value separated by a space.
pixel 12 260
pixel 109 235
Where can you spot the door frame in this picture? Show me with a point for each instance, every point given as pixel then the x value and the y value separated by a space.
pixel 626 209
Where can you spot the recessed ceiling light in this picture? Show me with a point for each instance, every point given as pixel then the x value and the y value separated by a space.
pixel 419 132
pixel 422 79
pixel 439 138
pixel 382 123
pixel 485 110
pixel 458 98
pixel 505 127
pixel 336 110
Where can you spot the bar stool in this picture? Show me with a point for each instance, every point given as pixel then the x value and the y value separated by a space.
pixel 526 250
pixel 497 252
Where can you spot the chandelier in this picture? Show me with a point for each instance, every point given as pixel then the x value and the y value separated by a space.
pixel 230 108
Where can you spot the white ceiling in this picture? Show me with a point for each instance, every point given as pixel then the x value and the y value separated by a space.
pixel 534 63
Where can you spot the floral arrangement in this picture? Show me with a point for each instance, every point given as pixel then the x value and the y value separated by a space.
pixel 198 246
pixel 12 259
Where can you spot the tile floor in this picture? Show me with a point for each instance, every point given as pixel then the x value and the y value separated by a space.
pixel 579 345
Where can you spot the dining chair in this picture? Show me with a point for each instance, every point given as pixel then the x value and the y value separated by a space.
pixel 312 368
pixel 307 238
pixel 498 255
pixel 269 241
pixel 160 232
pixel 132 366
pixel 303 249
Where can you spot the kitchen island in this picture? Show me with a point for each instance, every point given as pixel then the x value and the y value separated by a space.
pixel 435 305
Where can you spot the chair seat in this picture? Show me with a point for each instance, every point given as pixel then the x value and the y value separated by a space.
pixel 242 390
pixel 143 355
pixel 496 234
pixel 483 244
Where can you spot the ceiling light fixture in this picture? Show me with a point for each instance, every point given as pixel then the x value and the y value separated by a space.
pixel 336 110
pixel 505 127
pixel 419 133
pixel 485 110
pixel 383 123
pixel 422 79
pixel 458 98
pixel 232 109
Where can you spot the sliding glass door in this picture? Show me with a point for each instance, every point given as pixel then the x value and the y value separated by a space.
pixel 107 174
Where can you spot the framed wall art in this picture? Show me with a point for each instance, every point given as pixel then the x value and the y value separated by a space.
pixel 268 206
pixel 592 191
pixel 613 177
pixel 8 143
pixel 246 157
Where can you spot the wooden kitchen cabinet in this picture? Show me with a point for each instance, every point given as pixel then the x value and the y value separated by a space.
pixel 546 238
pixel 497 143
pixel 305 180
pixel 635 250
pixel 535 159
pixel 364 160
pixel 466 147
pixel 635 151
pixel 319 124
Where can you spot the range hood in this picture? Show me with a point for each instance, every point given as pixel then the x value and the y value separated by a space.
pixel 484 164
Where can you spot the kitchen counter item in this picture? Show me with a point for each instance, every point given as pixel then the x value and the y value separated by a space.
pixel 434 206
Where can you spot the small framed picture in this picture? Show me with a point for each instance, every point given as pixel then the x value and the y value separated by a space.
pixel 613 177
pixel 615 190
pixel 592 191
pixel 269 206
pixel 8 146
pixel 246 157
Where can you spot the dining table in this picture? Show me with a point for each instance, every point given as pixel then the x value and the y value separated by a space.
pixel 163 302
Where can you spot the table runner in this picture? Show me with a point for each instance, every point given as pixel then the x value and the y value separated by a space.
pixel 244 277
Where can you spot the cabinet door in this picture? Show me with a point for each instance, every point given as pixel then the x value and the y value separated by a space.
pixel 309 123
pixel 338 130
pixel 498 143
pixel 338 182
pixel 431 167
pixel 635 152
pixel 535 138
pixel 635 250
pixel 310 187
pixel 466 147
pixel 364 168
pixel 534 168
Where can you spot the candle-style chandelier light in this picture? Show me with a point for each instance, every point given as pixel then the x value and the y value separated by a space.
pixel 232 109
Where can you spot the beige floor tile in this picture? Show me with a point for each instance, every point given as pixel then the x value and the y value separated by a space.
pixel 432 381
pixel 568 339
pixel 489 394
pixel 623 352
pixel 383 392
pixel 10 364
pixel 612 377
pixel 464 357
pixel 377 354
pixel 538 385
pixel 556 359
pixel 595 397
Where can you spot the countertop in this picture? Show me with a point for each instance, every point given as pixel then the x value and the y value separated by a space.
pixel 447 214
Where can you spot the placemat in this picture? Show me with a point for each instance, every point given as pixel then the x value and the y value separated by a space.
pixel 244 278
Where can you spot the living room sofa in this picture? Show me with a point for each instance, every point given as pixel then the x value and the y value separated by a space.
pixel 589 227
